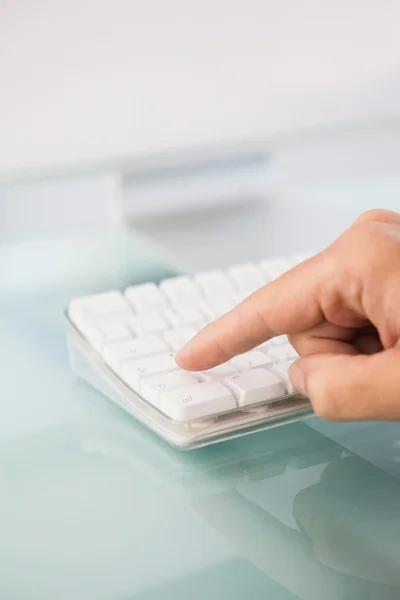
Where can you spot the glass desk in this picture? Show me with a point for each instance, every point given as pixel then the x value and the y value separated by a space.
pixel 94 507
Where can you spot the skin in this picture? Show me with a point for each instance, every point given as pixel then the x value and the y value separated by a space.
pixel 341 311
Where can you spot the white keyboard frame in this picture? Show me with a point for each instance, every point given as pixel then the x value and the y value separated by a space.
pixel 89 365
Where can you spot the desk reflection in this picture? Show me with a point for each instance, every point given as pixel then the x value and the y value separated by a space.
pixel 344 542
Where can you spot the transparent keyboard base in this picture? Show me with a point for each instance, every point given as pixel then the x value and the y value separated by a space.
pixel 123 345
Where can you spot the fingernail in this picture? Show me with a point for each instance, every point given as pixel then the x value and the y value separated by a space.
pixel 296 376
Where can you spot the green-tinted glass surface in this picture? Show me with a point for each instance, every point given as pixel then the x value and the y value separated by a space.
pixel 95 507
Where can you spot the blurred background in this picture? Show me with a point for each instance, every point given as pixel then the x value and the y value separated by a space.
pixel 224 131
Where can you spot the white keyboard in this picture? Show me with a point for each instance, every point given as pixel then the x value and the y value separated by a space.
pixel 124 343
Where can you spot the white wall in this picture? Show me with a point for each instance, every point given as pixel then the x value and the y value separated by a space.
pixel 93 79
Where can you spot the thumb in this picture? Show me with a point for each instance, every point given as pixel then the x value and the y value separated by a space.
pixel 351 388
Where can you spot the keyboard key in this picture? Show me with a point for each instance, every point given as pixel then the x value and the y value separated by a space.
pixel 243 294
pixel 265 347
pixel 106 303
pixel 180 316
pixel 146 297
pixel 251 360
pixel 116 354
pixel 299 258
pixel 152 387
pixel 217 373
pixel 276 267
pixel 208 311
pixel 134 371
pixel 283 352
pixel 105 331
pixel 247 276
pixel 214 283
pixel 255 386
pixel 217 306
pixel 196 401
pixel 181 290
pixel 147 322
pixel 278 340
pixel 177 338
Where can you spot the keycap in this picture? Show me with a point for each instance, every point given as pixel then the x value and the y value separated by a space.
pixel 208 311
pixel 116 354
pixel 264 347
pixel 147 322
pixel 255 386
pixel 282 371
pixel 134 371
pixel 214 283
pixel 107 303
pixel 243 294
pixel 278 340
pixel 283 352
pixel 299 258
pixel 276 267
pixel 152 387
pixel 251 360
pixel 146 297
pixel 106 331
pixel 247 276
pixel 180 290
pixel 217 306
pixel 218 373
pixel 177 338
pixel 196 401
pixel 180 316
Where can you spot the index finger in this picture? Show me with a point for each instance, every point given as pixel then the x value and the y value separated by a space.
pixel 290 304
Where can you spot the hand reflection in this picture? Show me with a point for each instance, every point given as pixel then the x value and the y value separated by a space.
pixel 347 545
pixel 352 518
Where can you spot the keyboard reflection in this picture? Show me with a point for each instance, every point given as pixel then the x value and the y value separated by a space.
pixel 317 519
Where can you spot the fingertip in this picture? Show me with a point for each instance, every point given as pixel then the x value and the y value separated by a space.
pixel 193 357
pixel 202 352
pixel 183 357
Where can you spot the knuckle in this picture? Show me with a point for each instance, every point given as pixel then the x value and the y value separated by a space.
pixel 377 215
pixel 378 245
pixel 367 245
pixel 364 239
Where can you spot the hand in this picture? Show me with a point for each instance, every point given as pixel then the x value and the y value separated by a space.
pixel 341 311
pixel 351 517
